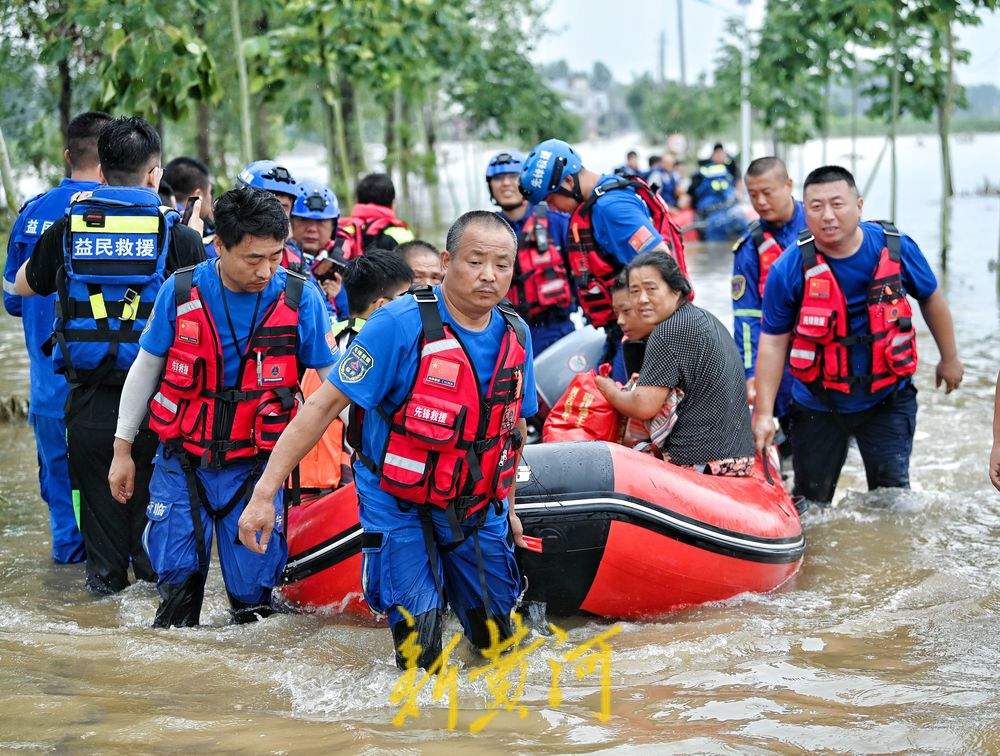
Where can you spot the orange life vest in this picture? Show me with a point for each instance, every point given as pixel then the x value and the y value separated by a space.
pixel 593 269
pixel 820 354
pixel 194 408
pixel 450 446
pixel 540 283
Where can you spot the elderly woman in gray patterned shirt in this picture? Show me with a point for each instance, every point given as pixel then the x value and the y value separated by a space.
pixel 690 392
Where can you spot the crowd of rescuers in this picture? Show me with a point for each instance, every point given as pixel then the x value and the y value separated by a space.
pixel 185 332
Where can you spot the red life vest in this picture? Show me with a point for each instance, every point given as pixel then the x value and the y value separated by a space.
pixel 195 409
pixel 540 283
pixel 768 250
pixel 449 446
pixel 366 222
pixel 820 343
pixel 291 258
pixel 594 270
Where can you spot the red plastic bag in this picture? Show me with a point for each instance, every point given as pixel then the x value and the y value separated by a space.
pixel 583 414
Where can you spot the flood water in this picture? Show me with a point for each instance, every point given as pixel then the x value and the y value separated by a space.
pixel 887 640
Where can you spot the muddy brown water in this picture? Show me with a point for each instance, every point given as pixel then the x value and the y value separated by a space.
pixel 887 640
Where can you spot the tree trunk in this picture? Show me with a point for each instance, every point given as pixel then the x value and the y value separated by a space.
pixel 352 124
pixel 855 108
pixel 203 133
pixel 244 81
pixel 825 130
pixel 390 136
pixel 330 140
pixel 405 136
pixel 399 159
pixel 337 141
pixel 7 178
pixel 894 114
pixel 431 178
pixel 262 130
pixel 944 111
pixel 65 101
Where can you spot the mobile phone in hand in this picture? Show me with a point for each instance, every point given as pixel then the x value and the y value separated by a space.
pixel 189 208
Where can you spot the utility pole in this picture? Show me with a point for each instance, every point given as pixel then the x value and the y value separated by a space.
pixel 680 41
pixel 745 90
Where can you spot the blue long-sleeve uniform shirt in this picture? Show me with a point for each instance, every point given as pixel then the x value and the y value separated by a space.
pixel 47 390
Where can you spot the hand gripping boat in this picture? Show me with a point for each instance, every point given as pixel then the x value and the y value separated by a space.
pixel 622 535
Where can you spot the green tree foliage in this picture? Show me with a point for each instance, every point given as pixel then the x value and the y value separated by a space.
pixel 699 110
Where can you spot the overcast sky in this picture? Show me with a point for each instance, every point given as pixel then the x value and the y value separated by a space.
pixel 624 36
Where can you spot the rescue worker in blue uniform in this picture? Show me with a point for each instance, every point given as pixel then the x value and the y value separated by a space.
pixel 713 192
pixel 314 218
pixel 227 340
pixel 449 362
pixel 189 177
pixel 836 308
pixel 47 389
pixel 107 258
pixel 542 290
pixel 612 219
pixel 782 217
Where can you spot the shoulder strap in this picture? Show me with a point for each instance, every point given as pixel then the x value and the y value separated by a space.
pixel 183 281
pixel 430 316
pixel 514 321
pixel 892 238
pixel 600 191
pixel 753 232
pixel 807 246
pixel 293 288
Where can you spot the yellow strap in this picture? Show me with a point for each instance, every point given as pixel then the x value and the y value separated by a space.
pixel 747 347
pixel 400 234
pixel 130 308
pixel 97 306
pixel 117 224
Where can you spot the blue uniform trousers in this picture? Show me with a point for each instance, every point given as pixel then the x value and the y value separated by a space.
pixel 397 569
pixel 53 480
pixel 544 335
pixel 181 559
pixel 885 439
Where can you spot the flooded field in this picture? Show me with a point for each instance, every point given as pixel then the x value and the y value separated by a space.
pixel 887 640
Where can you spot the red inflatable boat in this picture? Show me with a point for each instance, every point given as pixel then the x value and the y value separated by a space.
pixel 623 534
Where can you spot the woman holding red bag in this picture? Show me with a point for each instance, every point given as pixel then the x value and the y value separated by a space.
pixel 691 374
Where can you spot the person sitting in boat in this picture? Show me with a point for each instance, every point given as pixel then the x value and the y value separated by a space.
pixel 690 361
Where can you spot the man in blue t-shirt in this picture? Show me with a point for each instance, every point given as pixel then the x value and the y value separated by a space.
pixel 204 470
pixel 48 389
pixel 502 175
pixel 443 554
pixel 781 220
pixel 823 419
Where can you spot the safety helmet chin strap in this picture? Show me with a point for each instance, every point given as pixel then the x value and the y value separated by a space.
pixel 575 193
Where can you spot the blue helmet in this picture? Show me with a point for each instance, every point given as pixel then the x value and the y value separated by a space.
pixel 269 176
pixel 315 201
pixel 504 162
pixel 546 166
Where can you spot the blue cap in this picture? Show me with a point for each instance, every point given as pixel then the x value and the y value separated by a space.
pixel 508 161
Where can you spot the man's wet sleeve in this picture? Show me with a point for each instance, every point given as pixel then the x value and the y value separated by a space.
pixel 747 304
pixel 368 368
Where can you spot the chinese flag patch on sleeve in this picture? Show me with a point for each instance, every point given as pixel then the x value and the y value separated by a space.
pixel 640 238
